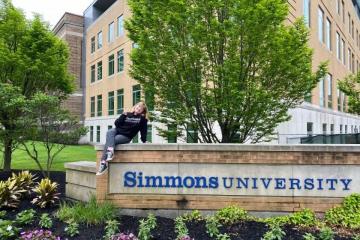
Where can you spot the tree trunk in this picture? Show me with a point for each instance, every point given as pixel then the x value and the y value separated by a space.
pixel 7 154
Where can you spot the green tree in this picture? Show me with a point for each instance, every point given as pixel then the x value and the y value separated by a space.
pixel 350 86
pixel 32 59
pixel 233 64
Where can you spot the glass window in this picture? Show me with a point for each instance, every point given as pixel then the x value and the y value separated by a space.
pixel 341 128
pixel 99 70
pixel 343 51
pixel 306 10
pixel 338 46
pixel 111 104
pixel 321 25
pixel 352 29
pixel 324 128
pixel 91 133
pixel 92 44
pixel 92 74
pixel 92 107
pixel 346 128
pixel 349 23
pixel 349 59
pixel 338 93
pixel 100 42
pixel 111 33
pixel 331 128
pixel 99 105
pixel 338 7
pixel 343 10
pixel 120 58
pixel 120 101
pixel 328 34
pixel 322 92
pixel 136 94
pixel 120 26
pixel 309 128
pixel 111 65
pixel 98 134
pixel 329 88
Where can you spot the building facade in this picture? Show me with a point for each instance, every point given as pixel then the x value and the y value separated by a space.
pixel 334 35
pixel 70 28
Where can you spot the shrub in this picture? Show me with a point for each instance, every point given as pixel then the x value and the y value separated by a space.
pixel 180 228
pixel 231 215
pixel 91 213
pixel 2 214
pixel 72 229
pixel 347 215
pixel 10 194
pixel 123 236
pixel 212 228
pixel 309 236
pixel 305 217
pixel 356 237
pixel 275 233
pixel 146 226
pixel 193 216
pixel 45 221
pixel 38 235
pixel 25 217
pixel 326 234
pixel 8 230
pixel 24 180
pixel 111 228
pixel 46 192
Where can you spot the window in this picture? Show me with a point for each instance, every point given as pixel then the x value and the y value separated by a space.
pixel 331 128
pixel 352 128
pixel 349 23
pixel 322 92
pixel 92 107
pixel 111 104
pixel 92 74
pixel 343 98
pixel 321 25
pixel 357 37
pixel 343 10
pixel 341 128
pixel 352 29
pixel 111 35
pixel 346 128
pixel 109 127
pixel 120 58
pixel 98 134
pixel 343 51
pixel 120 26
pixel 99 40
pixel 111 65
pixel 149 133
pixel 136 94
pixel 99 105
pixel 99 70
pixel 306 10
pixel 92 44
pixel 328 34
pixel 338 93
pixel 120 101
pixel 329 88
pixel 91 133
pixel 309 128
pixel 172 133
pixel 338 46
pixel 353 62
pixel 191 135
pixel 349 59
pixel 324 128
pixel 338 7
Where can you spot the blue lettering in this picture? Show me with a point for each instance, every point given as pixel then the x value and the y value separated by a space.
pixel 153 181
pixel 309 184
pixel 346 183
pixel 198 182
pixel 192 182
pixel 266 182
pixel 331 181
pixel 241 181
pixel 320 184
pixel 254 183
pixel 295 182
pixel 130 179
pixel 140 178
pixel 213 182
pixel 231 182
pixel 173 182
pixel 279 183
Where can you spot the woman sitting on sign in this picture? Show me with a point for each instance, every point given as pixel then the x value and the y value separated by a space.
pixel 127 126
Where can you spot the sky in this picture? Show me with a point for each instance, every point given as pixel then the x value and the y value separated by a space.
pixel 52 10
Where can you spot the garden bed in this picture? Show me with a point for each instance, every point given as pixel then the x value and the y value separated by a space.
pixel 196 225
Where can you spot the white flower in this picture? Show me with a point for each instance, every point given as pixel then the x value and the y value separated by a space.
pixel 9 228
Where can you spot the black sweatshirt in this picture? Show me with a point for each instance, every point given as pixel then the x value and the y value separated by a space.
pixel 129 124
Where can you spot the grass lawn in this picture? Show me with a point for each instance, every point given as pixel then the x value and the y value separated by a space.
pixel 21 160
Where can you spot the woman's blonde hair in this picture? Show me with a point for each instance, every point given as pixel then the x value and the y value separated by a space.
pixel 145 112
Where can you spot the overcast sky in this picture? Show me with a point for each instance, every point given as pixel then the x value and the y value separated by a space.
pixel 52 10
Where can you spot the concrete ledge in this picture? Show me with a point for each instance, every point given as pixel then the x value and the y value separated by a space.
pixel 237 147
pixel 84 166
pixel 78 192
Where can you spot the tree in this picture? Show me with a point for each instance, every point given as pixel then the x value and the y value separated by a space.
pixel 32 59
pixel 46 125
pixel 350 86
pixel 230 64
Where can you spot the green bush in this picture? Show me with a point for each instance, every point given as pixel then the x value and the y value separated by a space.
pixel 25 217
pixel 72 229
pixel 212 228
pixel 193 216
pixel 8 230
pixel 231 215
pixel 326 234
pixel 275 233
pixel 309 236
pixel 91 213
pixel 305 218
pixel 111 228
pixel 146 225
pixel 10 194
pixel 180 228
pixel 45 221
pixel 46 193
pixel 347 215
pixel 24 180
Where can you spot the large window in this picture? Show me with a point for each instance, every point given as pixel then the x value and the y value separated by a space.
pixel 338 7
pixel 98 134
pixel 92 107
pixel 120 101
pixel 321 25
pixel 120 59
pixel 343 10
pixel 343 51
pixel 111 33
pixel 136 94
pixel 111 65
pixel 111 104
pixel 92 44
pixel 99 40
pixel 120 26
pixel 349 59
pixel 328 34
pixel 99 70
pixel 324 127
pixel 329 88
pixel 99 105
pixel 306 10
pixel 91 133
pixel 92 74
pixel 309 128
pixel 322 92
pixel 338 93
pixel 338 46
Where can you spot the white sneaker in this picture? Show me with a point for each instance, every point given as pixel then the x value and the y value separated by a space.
pixel 109 155
pixel 102 169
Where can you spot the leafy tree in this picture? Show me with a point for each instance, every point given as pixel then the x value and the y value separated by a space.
pixel 233 65
pixel 32 59
pixel 350 86
pixel 48 126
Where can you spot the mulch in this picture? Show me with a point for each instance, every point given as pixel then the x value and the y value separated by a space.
pixel 247 230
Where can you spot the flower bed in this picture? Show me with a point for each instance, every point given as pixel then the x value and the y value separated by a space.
pixel 70 220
